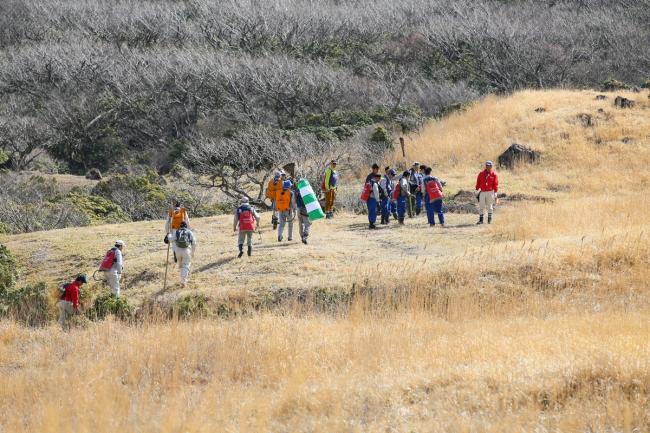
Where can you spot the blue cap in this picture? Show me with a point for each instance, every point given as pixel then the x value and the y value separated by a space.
pixel 488 163
pixel 392 172
pixel 286 184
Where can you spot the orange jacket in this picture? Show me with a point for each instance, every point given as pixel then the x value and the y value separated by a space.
pixel 177 218
pixel 273 189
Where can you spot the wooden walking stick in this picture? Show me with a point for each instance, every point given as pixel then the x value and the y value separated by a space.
pixel 166 267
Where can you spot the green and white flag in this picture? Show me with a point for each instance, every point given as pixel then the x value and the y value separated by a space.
pixel 311 202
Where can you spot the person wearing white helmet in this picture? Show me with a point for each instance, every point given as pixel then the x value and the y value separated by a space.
pixel 113 266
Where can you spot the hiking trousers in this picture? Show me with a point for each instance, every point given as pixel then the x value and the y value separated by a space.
pixel 303 226
pixel 285 219
pixel 65 311
pixel 246 235
pixel 401 207
pixel 113 280
pixel 385 209
pixel 433 208
pixel 184 256
pixel 372 210
pixel 486 202
pixel 329 200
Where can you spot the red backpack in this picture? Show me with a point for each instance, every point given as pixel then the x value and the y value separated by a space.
pixel 246 220
pixel 365 194
pixel 108 261
pixel 433 190
pixel 397 191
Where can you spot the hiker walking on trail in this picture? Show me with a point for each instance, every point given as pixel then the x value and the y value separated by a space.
pixel 385 193
pixel 286 204
pixel 248 221
pixel 432 187
pixel 329 186
pixel 69 301
pixel 113 266
pixel 272 190
pixel 401 194
pixel 487 186
pixel 185 247
pixel 373 200
pixel 175 217
pixel 415 199
pixel 304 223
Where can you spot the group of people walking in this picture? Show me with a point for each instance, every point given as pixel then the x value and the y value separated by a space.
pixel 387 195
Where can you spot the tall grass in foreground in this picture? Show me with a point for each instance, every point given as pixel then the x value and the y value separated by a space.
pixel 406 372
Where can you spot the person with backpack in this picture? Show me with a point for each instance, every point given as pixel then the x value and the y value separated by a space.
pixel 375 170
pixel 272 190
pixel 185 247
pixel 304 223
pixel 113 266
pixel 415 197
pixel 401 194
pixel 175 217
pixel 432 187
pixel 373 199
pixel 385 193
pixel 286 204
pixel 487 186
pixel 329 186
pixel 248 221
pixel 69 300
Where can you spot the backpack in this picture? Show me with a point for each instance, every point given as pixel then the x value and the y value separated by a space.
pixel 246 218
pixel 365 194
pixel 62 289
pixel 108 261
pixel 397 191
pixel 183 238
pixel 433 190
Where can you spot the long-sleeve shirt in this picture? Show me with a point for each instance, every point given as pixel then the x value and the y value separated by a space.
pixel 386 185
pixel 375 190
pixel 487 181
pixel 118 262
pixel 404 187
pixel 193 241
pixel 71 294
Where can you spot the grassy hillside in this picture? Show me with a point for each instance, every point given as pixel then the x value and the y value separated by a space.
pixel 539 321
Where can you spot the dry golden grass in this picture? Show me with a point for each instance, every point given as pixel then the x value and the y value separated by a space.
pixel 536 323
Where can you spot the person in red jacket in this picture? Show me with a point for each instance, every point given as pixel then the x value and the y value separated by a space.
pixel 487 186
pixel 69 302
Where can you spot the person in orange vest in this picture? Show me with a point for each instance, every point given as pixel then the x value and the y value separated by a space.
pixel 175 217
pixel 286 205
pixel 272 189
pixel 487 186
pixel 69 301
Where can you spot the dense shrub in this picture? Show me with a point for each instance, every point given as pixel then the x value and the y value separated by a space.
pixel 28 304
pixel 98 209
pixel 107 303
pixel 8 270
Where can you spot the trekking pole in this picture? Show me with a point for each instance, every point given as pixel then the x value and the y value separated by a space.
pixel 166 266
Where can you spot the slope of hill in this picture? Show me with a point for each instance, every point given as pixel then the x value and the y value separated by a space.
pixel 539 321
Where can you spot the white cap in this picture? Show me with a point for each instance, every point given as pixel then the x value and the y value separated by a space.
pixel 120 243
pixel 243 199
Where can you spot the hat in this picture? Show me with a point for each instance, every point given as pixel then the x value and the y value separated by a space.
pixel 120 243
pixel 392 172
pixel 82 278
pixel 488 163
pixel 416 163
pixel 286 184
pixel 276 175
pixel 243 199
pixel 333 162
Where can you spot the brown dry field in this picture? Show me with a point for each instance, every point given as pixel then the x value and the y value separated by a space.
pixel 539 322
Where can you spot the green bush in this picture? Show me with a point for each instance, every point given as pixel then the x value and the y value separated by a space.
pixel 382 137
pixel 98 209
pixel 646 84
pixel 612 84
pixel 8 270
pixel 107 303
pixel 3 157
pixel 138 196
pixel 29 305
pixel 191 306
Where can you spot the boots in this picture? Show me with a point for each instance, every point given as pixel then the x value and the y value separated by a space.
pixel 480 219
pixel 241 251
pixel 372 226
pixel 401 221
pixel 489 218
pixel 250 250
pixel 304 240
